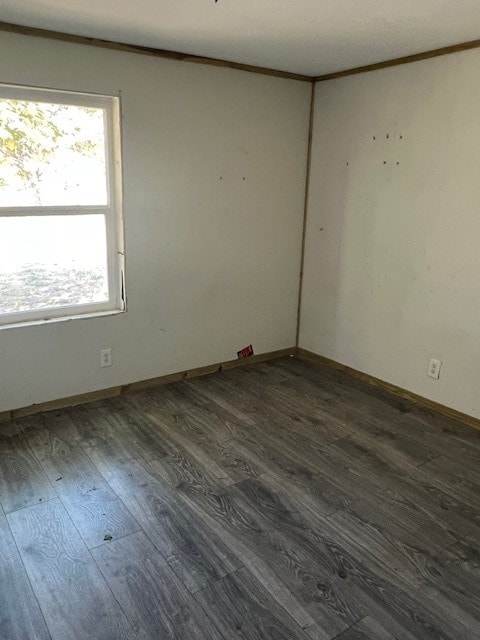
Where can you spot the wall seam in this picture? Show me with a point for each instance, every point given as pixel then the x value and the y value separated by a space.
pixel 305 212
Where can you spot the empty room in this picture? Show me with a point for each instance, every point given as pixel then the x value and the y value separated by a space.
pixel 239 320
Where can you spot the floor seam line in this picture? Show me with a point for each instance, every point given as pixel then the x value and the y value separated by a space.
pixel 28 576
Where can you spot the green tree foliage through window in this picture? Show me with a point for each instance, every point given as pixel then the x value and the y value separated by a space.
pixel 53 155
pixel 40 140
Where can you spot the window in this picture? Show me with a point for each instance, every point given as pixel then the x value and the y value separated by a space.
pixel 61 251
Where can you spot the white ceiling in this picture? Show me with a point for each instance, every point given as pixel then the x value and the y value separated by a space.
pixel 312 37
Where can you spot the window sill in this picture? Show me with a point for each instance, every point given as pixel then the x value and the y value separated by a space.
pixel 79 316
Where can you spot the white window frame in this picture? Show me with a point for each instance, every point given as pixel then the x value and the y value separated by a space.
pixel 112 210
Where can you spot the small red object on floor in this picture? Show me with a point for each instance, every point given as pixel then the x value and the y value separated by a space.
pixel 246 352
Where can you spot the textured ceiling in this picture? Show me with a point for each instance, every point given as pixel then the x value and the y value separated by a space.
pixel 312 37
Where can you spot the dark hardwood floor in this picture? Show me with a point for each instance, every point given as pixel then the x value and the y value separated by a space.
pixel 280 501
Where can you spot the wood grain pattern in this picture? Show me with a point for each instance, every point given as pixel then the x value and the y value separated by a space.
pixel 134 430
pixel 301 559
pixel 133 387
pixel 220 456
pixel 154 600
pixel 22 480
pixel 20 616
pixel 439 409
pixel 455 572
pixel 74 597
pixel 240 608
pixel 196 553
pixel 261 524
pixel 67 466
pixel 455 479
pixel 279 500
pixel 99 516
pixel 367 629
pixel 264 573
pixel 374 413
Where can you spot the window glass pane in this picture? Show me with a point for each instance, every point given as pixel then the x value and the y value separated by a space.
pixel 52 261
pixel 51 154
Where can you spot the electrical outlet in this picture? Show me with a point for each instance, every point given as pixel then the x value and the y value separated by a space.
pixel 106 358
pixel 434 369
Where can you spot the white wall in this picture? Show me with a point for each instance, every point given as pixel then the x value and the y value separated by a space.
pixel 392 264
pixel 212 264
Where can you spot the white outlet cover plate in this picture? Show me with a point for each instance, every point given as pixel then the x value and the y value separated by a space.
pixel 106 358
pixel 434 369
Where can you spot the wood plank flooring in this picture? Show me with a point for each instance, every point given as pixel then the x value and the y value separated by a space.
pixel 279 501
